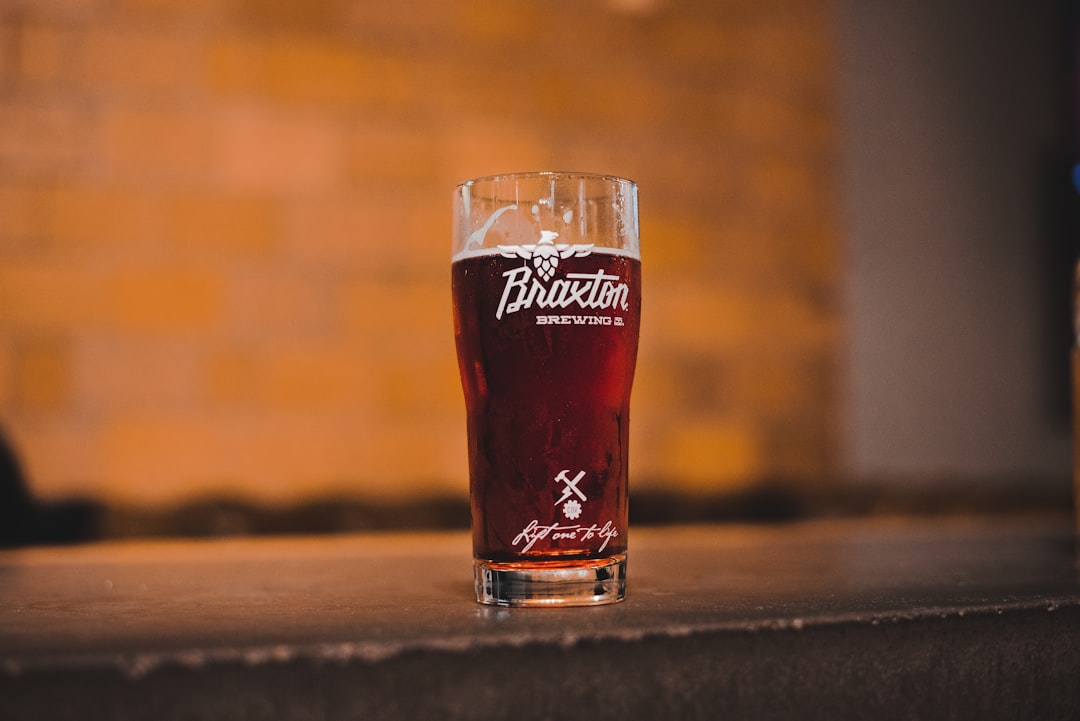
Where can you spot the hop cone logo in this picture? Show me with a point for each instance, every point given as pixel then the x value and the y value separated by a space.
pixel 545 254
pixel 545 259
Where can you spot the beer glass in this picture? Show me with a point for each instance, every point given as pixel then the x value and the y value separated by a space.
pixel 546 276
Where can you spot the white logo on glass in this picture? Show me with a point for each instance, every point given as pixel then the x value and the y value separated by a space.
pixel 546 253
pixel 593 291
pixel 570 506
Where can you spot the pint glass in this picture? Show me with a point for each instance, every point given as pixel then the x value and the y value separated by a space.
pixel 547 293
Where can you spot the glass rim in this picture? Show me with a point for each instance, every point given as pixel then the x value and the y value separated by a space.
pixel 549 174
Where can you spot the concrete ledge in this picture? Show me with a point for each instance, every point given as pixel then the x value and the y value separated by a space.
pixel 960 618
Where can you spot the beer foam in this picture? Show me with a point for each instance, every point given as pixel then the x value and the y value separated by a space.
pixel 483 252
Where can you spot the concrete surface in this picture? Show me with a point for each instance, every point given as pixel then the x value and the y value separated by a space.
pixel 883 619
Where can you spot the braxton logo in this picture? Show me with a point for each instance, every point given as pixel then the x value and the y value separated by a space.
pixel 597 290
pixel 545 254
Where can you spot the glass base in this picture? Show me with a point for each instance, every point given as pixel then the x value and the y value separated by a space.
pixel 551 583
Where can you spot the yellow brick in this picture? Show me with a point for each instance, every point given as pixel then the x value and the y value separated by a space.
pixel 357 456
pixel 673 243
pixel 405 459
pixel 83 214
pixel 303 69
pixel 299 454
pixel 499 24
pixel 282 356
pixel 159 459
pixel 477 145
pixel 692 317
pixel 7 375
pixel 760 119
pixel 9 46
pixel 784 185
pixel 401 21
pixel 803 66
pixel 603 100
pixel 700 456
pixel 313 70
pixel 420 383
pixel 41 137
pixel 373 234
pixel 124 371
pixel 326 233
pixel 220 225
pixel 43 373
pixel 316 376
pixel 274 457
pixel 171 144
pixel 293 378
pixel 697 319
pixel 388 310
pixel 139 59
pixel 172 300
pixel 60 456
pixel 773 386
pixel 235 64
pixel 656 385
pixel 47 297
pixel 232 377
pixel 199 10
pixel 389 153
pixel 696 43
pixel 289 14
pixel 421 234
pixel 23 213
pixel 263 150
pixel 46 53
pixel 266 306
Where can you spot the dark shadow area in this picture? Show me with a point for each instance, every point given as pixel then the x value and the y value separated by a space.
pixel 221 517
pixel 1059 222
pixel 25 521
pixel 768 503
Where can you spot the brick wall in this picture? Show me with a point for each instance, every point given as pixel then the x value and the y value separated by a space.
pixel 224 233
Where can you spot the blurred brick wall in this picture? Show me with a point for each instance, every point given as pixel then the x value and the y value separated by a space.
pixel 224 233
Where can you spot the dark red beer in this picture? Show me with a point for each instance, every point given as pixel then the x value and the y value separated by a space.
pixel 546 349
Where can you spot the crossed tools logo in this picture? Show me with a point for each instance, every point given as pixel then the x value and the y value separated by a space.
pixel 546 253
pixel 571 507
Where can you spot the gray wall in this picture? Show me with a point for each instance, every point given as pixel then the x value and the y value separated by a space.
pixel 954 142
